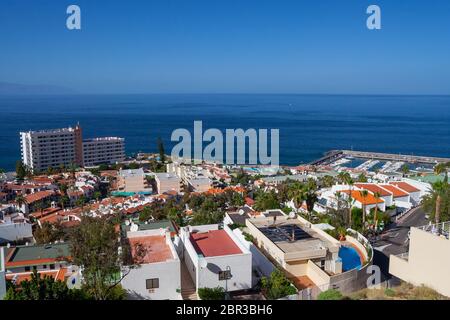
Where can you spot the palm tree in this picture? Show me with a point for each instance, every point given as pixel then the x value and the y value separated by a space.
pixel 310 195
pixel 339 210
pixel 20 200
pixel 327 181
pixel 377 196
pixel 350 200
pixel 298 196
pixel 440 168
pixel 405 169
pixel 364 194
pixel 343 177
pixel 63 200
pixel 433 201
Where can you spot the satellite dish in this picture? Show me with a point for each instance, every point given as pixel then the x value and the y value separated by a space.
pixel 203 263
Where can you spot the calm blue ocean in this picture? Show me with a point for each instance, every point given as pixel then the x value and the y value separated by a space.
pixel 309 124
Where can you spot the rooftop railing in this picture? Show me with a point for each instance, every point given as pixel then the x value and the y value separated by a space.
pixel 438 229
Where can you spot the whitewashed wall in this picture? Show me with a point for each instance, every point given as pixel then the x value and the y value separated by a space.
pixel 15 231
pixel 167 272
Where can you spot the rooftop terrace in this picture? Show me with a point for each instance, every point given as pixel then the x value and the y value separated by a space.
pixel 150 249
pixel 295 239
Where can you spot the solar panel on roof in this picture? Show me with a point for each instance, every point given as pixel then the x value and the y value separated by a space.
pixel 285 233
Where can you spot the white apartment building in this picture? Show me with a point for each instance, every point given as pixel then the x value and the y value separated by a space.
pixel 106 150
pixel 195 177
pixel 49 148
pixel 133 180
pixel 216 258
pixel 55 147
pixel 167 182
pixel 158 273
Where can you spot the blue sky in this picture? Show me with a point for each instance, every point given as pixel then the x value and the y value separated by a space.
pixel 231 46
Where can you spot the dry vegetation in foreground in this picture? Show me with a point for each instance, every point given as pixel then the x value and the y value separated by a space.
pixel 405 291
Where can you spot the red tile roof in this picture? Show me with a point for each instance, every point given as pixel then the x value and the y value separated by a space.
pixel 45 212
pixel 214 243
pixel 22 276
pixel 396 192
pixel 373 188
pixel 37 196
pixel 369 199
pixel 405 186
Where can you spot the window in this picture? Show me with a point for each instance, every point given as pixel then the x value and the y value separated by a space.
pixel 152 283
pixel 52 267
pixel 27 268
pixel 44 266
pixel 225 275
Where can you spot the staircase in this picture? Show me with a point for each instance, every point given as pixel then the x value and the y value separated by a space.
pixel 188 290
pixel 189 294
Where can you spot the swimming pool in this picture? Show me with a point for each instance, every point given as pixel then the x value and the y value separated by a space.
pixel 350 258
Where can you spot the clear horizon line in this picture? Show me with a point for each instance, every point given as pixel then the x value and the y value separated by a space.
pixel 224 93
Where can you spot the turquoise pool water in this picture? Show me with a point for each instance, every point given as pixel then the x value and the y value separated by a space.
pixel 128 194
pixel 350 258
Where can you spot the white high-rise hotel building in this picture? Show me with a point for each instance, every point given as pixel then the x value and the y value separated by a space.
pixel 52 148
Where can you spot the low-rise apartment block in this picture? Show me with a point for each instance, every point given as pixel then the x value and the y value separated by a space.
pixel 157 272
pixel 302 251
pixel 133 180
pixel 167 182
pixel 428 260
pixel 48 260
pixel 216 258
pixel 196 178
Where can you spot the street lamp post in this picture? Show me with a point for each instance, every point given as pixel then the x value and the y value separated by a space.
pixel 227 277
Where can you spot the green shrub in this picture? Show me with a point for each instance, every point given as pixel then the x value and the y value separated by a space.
pixel 248 237
pixel 211 293
pixel 389 292
pixel 277 285
pixel 236 225
pixel 331 294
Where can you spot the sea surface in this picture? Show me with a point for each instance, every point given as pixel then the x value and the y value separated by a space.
pixel 309 124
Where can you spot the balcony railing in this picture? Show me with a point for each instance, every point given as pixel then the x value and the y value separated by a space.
pixel 438 229
pixel 404 256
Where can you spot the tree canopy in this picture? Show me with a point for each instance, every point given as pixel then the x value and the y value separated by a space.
pixel 95 248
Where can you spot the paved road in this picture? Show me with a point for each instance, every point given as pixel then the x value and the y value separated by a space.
pixel 395 239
